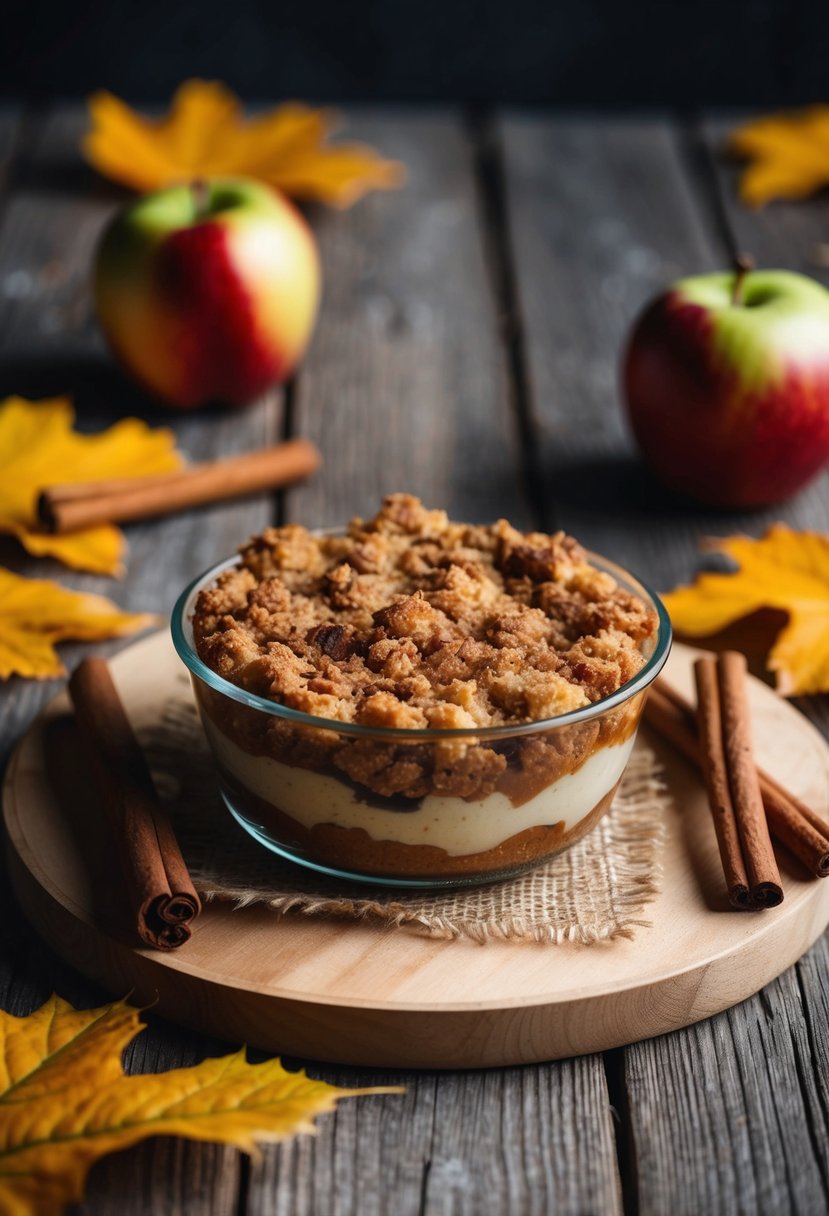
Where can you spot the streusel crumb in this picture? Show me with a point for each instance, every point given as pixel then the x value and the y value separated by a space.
pixel 410 620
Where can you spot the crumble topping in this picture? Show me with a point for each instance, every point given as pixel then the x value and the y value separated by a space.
pixel 411 620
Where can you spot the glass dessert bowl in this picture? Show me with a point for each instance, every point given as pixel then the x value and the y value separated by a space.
pixel 425 767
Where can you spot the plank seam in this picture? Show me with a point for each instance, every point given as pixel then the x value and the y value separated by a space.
pixel 243 1185
pixel 613 1063
pixel 424 1187
pixel 425 1179
pixel 285 431
pixel 818 1148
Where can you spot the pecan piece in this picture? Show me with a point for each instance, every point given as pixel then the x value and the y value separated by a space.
pixel 334 640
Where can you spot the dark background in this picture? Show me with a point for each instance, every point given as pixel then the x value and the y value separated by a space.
pixel 574 52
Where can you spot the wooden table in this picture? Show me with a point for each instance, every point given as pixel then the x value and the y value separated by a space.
pixel 467 350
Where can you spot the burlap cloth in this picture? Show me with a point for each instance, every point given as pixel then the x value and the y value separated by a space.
pixel 593 892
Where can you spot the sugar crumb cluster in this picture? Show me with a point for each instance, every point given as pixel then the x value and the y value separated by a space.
pixel 410 620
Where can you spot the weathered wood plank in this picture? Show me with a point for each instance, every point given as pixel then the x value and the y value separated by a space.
pixel 469 1144
pixel 371 1158
pixel 547 1124
pixel 813 1078
pixel 729 1116
pixel 405 387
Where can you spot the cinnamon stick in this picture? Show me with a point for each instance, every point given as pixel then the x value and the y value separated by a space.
pixel 791 822
pixel 715 773
pixel 796 825
pixel 66 508
pixel 764 876
pixel 162 896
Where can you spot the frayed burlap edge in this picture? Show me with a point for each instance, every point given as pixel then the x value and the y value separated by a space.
pixel 593 892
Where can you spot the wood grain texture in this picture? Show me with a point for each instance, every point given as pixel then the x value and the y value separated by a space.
pixel 434 1151
pixel 547 1169
pixel 405 385
pixel 371 1159
pixel 752 1110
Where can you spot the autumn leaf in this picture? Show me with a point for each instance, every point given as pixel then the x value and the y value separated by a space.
pixel 785 570
pixel 65 1101
pixel 38 447
pixel 37 613
pixel 205 134
pixel 789 155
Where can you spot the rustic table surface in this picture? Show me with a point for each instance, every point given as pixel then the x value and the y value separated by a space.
pixel 467 350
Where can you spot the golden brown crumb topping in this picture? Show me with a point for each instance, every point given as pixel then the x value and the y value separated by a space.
pixel 410 620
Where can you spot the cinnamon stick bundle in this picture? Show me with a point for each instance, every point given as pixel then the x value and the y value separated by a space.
pixel 790 821
pixel 162 897
pixel 66 508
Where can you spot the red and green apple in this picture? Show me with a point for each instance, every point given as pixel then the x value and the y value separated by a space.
pixel 208 292
pixel 726 378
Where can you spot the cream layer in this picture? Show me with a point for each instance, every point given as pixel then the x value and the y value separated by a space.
pixel 448 823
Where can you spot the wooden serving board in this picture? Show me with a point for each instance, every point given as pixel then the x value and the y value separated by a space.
pixel 361 994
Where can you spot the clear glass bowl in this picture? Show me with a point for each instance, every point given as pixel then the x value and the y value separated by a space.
pixel 302 785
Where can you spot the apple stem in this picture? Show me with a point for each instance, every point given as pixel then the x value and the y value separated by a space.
pixel 201 197
pixel 743 263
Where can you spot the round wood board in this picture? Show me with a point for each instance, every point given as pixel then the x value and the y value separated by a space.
pixel 362 994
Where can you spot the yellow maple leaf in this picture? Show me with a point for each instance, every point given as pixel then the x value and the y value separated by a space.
pixel 205 134
pixel 37 613
pixel 65 1101
pixel 38 447
pixel 789 154
pixel 785 570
